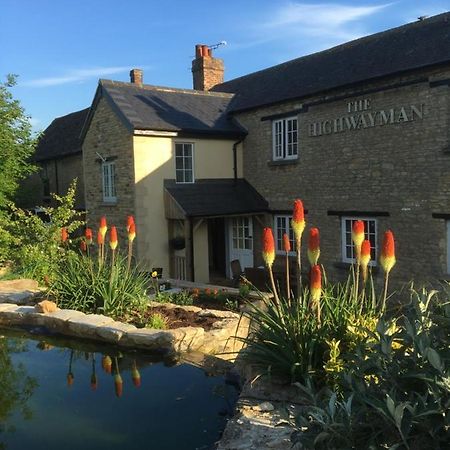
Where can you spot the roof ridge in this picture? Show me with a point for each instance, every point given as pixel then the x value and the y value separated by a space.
pixel 150 87
pixel 348 44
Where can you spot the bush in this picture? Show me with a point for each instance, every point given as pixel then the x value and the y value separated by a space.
pixel 85 285
pixel 394 388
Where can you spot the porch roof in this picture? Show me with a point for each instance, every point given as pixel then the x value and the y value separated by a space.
pixel 216 197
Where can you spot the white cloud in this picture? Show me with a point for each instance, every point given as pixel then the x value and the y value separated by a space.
pixel 311 27
pixel 74 76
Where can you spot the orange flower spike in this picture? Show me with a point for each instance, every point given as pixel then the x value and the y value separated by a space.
pixel 107 364
pixel 88 236
pixel 268 247
pixel 83 246
pixel 316 283
pixel 365 258
pixel 387 258
pixel 286 243
pixel 298 219
pixel 64 234
pixel 100 239
pixel 94 383
pixel 118 384
pixel 113 238
pixel 103 226
pixel 358 237
pixel 135 376
pixel 131 232
pixel 314 246
pixel 130 221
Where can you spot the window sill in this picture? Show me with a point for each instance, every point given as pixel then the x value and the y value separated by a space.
pixel 283 162
pixel 346 266
pixel 109 203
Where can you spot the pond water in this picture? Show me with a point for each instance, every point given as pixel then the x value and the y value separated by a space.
pixel 67 394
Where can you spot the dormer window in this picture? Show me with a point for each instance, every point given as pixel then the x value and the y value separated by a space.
pixel 184 162
pixel 285 138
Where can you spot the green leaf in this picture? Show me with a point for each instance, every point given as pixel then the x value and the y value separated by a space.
pixel 390 405
pixel 434 359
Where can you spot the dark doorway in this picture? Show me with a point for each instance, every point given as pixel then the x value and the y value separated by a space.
pixel 217 253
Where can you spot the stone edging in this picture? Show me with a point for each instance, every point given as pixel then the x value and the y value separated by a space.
pixel 98 327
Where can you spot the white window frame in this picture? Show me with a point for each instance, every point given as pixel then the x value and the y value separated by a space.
pixel 280 230
pixel 109 181
pixel 183 157
pixel 284 146
pixel 345 236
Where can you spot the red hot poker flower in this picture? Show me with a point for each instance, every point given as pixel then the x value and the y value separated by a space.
pixel 358 236
pixel 268 252
pixel 130 221
pixel 286 243
pixel 298 219
pixel 88 236
pixel 107 364
pixel 100 238
pixel 113 238
pixel 314 246
pixel 135 376
pixel 83 246
pixel 64 234
pixel 365 257
pixel 387 258
pixel 118 385
pixel 316 283
pixel 103 226
pixel 132 232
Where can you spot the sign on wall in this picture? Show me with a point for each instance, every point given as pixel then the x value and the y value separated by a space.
pixel 359 115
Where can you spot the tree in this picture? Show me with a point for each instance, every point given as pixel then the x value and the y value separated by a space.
pixel 16 146
pixel 16 143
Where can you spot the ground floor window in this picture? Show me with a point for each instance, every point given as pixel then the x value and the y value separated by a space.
pixel 370 231
pixel 109 181
pixel 241 234
pixel 282 224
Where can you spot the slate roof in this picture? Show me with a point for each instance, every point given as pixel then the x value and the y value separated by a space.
pixel 62 137
pixel 412 46
pixel 218 197
pixel 168 109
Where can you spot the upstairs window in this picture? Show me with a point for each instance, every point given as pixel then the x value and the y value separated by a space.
pixel 109 181
pixel 285 138
pixel 370 232
pixel 184 162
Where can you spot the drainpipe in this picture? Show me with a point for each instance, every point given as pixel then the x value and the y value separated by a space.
pixel 235 158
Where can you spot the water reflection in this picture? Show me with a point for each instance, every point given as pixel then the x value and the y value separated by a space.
pixel 95 397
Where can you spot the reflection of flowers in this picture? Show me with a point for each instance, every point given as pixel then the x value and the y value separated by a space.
pixel 70 376
pixel 135 375
pixel 94 381
pixel 118 383
pixel 107 364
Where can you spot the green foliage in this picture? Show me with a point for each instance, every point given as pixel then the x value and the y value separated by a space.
pixel 36 250
pixel 182 298
pixel 16 146
pixel 289 342
pixel 16 142
pixel 157 321
pixel 85 285
pixel 394 389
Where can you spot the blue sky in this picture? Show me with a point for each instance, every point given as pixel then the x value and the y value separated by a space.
pixel 60 48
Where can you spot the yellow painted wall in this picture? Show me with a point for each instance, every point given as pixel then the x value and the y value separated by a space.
pixel 201 260
pixel 154 161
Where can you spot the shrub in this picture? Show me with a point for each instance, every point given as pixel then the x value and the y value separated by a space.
pixel 91 287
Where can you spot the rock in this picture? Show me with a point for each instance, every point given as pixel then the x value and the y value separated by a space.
pixel 264 407
pixel 46 306
pixel 19 285
pixel 88 324
pixel 218 314
pixel 115 331
pixel 19 292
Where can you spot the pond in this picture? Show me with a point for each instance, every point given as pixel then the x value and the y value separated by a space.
pixel 68 394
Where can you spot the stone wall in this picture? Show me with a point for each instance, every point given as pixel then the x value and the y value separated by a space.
pixel 107 136
pixel 402 169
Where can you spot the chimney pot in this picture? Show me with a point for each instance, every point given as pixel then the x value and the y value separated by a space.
pixel 136 76
pixel 207 71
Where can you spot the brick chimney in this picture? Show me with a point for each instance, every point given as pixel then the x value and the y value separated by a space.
pixel 206 70
pixel 137 76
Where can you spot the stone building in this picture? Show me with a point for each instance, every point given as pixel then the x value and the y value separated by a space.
pixel 359 131
pixel 58 155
